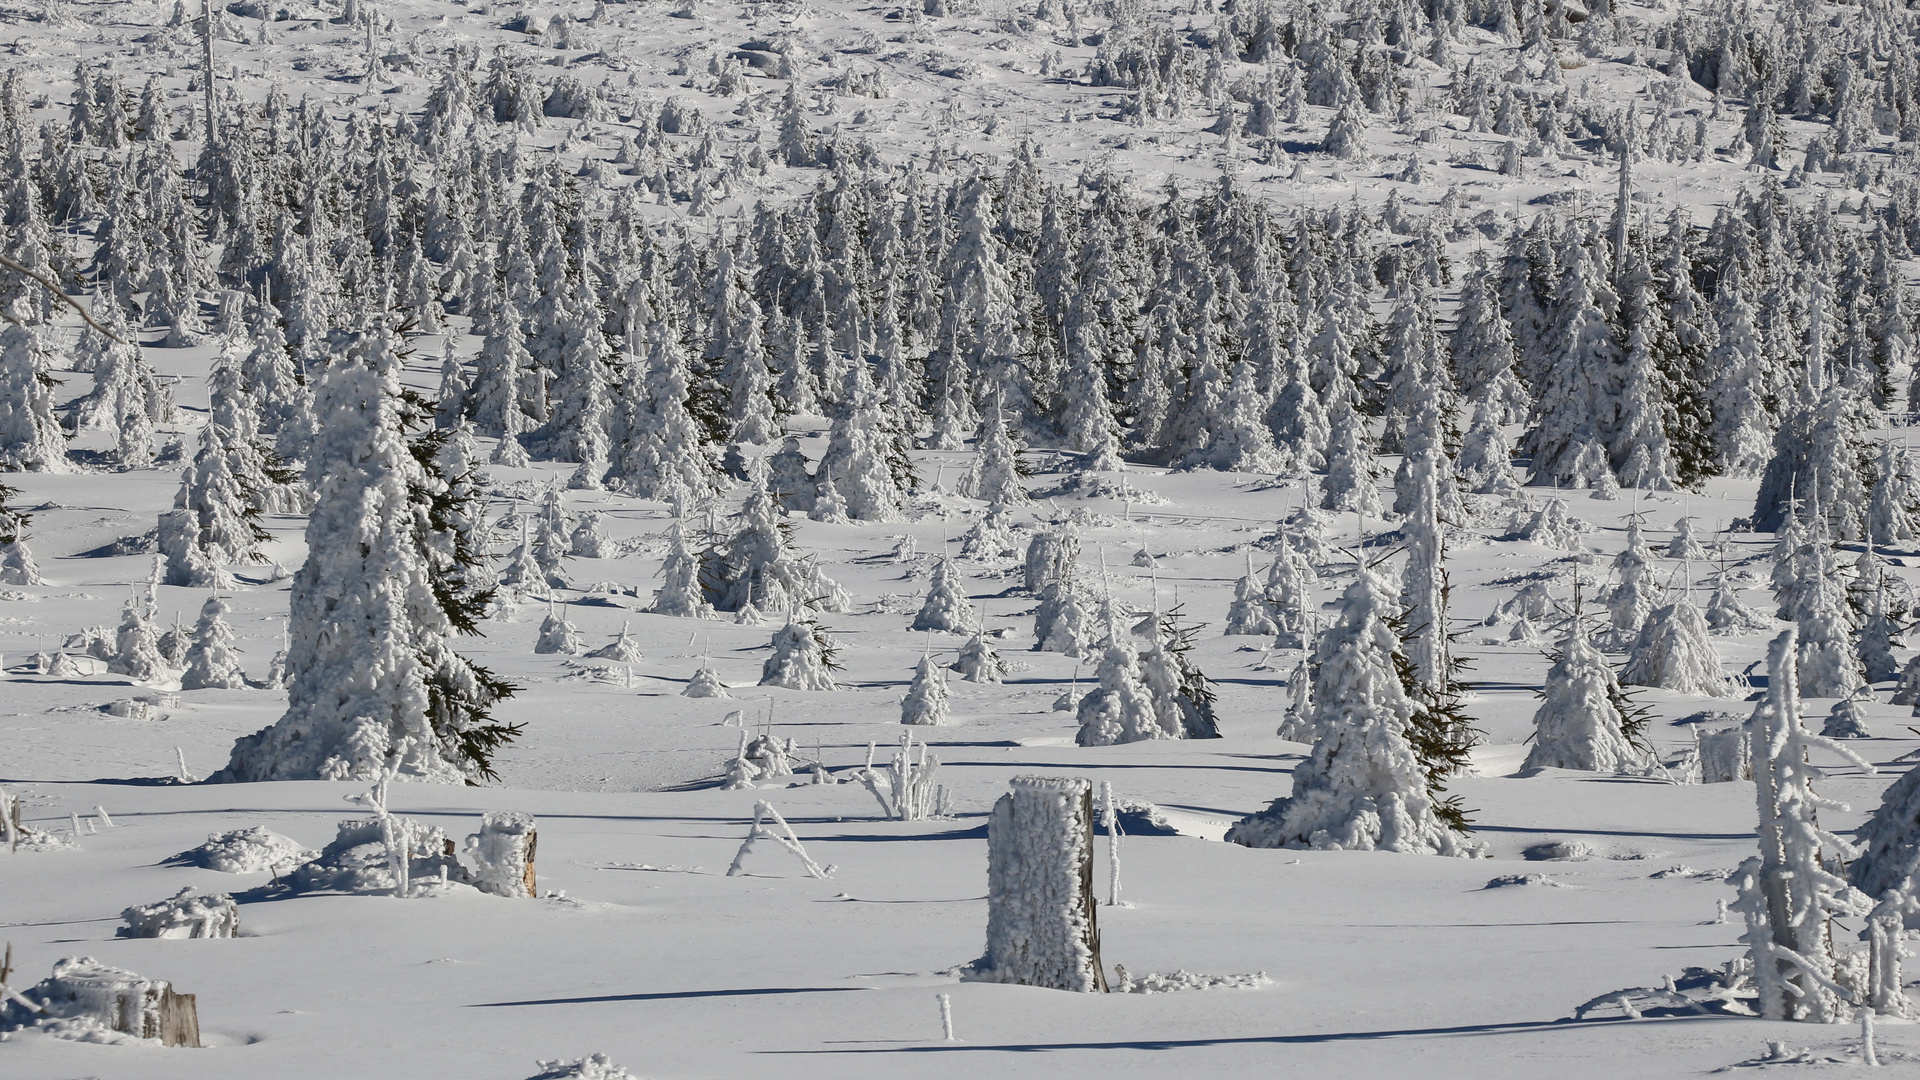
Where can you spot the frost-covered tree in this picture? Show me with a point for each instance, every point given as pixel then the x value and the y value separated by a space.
pixel 127 400
pixel 994 476
pixel 1585 722
pixel 1675 652
pixel 1362 788
pixel 1632 598
pixel 802 657
pixel 660 450
pixel 215 520
pixel 1788 894
pixel 1249 613
pixel 376 687
pixel 926 700
pixel 1485 464
pixel 1575 403
pixel 16 562
pixel 866 456
pixel 1818 455
pixel 1350 483
pixel 589 539
pixel 30 436
pixel 212 661
pixel 136 650
pixel 1742 426
pixel 1061 623
pixel 1827 662
pixel 946 607
pixel 1482 352
pixel 990 537
pixel 757 563
pixel 1121 709
pixel 1894 500
pixel 558 634
pixel 680 592
pixel 979 661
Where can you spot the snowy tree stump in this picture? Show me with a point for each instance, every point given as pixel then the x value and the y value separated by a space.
pixel 502 853
pixel 82 987
pixel 1041 923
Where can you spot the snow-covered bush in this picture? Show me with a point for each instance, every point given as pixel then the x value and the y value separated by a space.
pixel 358 860
pixel 1585 722
pixel 186 914
pixel 926 700
pixel 979 661
pixel 705 683
pixel 802 658
pixel 254 850
pixel 1675 652
pixel 946 606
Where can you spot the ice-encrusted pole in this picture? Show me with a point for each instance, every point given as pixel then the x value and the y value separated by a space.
pixel 1110 817
pixel 1041 912
pixel 946 1017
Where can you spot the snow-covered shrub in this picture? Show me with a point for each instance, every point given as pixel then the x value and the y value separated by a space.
pixel 621 650
pixel 212 660
pixel 252 850
pixel 926 700
pixel 705 683
pixel 558 634
pixel 591 1067
pixel 357 861
pixel 1675 652
pixel 502 854
pixel 186 915
pixel 979 661
pixel 1041 927
pixel 990 537
pixel 1584 723
pixel 946 606
pixel 802 658
pixel 1551 526
pixel 1848 717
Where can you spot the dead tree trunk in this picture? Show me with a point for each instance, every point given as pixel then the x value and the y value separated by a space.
pixel 1042 927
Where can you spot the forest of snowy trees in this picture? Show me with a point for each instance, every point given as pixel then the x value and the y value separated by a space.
pixel 458 333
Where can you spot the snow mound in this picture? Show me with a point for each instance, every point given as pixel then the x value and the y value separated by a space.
pixel 1505 880
pixel 186 914
pixel 253 850
pixel 356 861
pixel 1557 851
pixel 1159 983
pixel 591 1067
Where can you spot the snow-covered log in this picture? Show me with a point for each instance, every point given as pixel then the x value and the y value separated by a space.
pixel 1041 921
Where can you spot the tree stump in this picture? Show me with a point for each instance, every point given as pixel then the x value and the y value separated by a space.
pixel 118 1000
pixel 1042 928
pixel 502 853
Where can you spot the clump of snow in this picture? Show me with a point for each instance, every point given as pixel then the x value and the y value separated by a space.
pixel 186 914
pixel 253 850
pixel 1509 880
pixel 1175 981
pixel 1557 851
pixel 591 1067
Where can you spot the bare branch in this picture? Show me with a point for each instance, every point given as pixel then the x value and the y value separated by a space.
pixel 55 289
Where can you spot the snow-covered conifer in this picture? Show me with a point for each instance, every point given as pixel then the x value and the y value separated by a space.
pixel 1551 526
pixel 1848 718
pixel 1121 709
pixel 802 657
pixel 376 687
pixel 1788 894
pixel 30 436
pixel 1894 499
pixel 1584 723
pixel 212 661
pixel 1880 633
pixel 1674 651
pixel 705 683
pixel 990 537
pixel 1482 353
pixel 1062 622
pixel 1632 598
pixel 589 539
pixel 215 521
pixel 1363 787
pixel 828 504
pixel 994 476
pixel 1485 464
pixel 136 652
pixel 757 563
pixel 1350 483
pixel 946 607
pixel 926 700
pixel 661 448
pixel 1685 545
pixel 680 592
pixel 866 458
pixel 16 562
pixel 558 634
pixel 621 650
pixel 788 478
pixel 979 661
pixel 1249 612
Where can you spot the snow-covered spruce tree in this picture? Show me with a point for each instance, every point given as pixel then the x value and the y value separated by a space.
pixel 1632 598
pixel 660 448
pixel 213 663
pixel 1788 894
pixel 621 650
pixel 788 478
pixel 1586 721
pixel 1443 735
pixel 1818 457
pixel 1363 787
pixel 1485 464
pixel 589 539
pixel 1574 403
pixel 136 650
pixel 1061 622
pixel 1675 652
pixel 1482 354
pixel 946 607
pixel 1249 613
pixel 1848 717
pixel 1742 425
pixel 1350 483
pixel 375 686
pixel 1880 634
pixel 926 700
pixel 1121 708
pixel 990 537
pixel 1827 662
pixel 558 634
pixel 30 436
pixel 1727 614
pixel 1894 499
pixel 215 521
pixel 1552 526
pixel 994 476
pixel 1288 580
pixel 802 657
pixel 1182 695
pixel 1685 544
pixel 866 455
pixel 126 400
pixel 680 592
pixel 979 661
pixel 16 562
pixel 757 563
